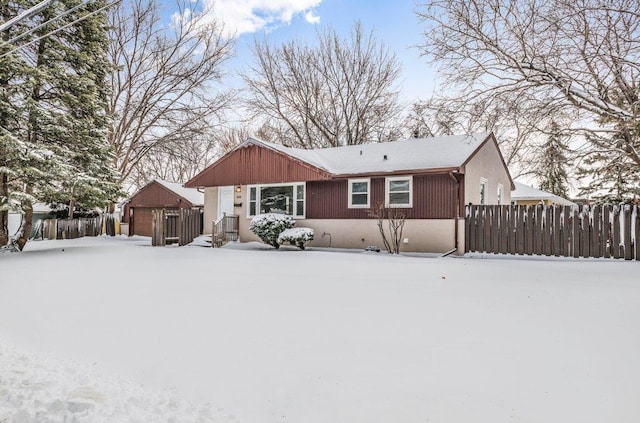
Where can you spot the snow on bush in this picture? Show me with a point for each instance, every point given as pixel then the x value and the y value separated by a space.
pixel 270 225
pixel 296 236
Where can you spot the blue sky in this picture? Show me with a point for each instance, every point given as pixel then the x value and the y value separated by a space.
pixel 393 22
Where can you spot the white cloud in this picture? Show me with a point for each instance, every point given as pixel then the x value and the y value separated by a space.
pixel 246 16
pixel 311 18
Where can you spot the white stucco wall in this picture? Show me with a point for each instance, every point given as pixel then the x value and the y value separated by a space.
pixel 210 209
pixel 486 164
pixel 421 235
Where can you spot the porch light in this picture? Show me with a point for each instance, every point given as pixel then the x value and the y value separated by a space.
pixel 238 188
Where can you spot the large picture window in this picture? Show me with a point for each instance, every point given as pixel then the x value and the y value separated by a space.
pixel 359 193
pixel 399 191
pixel 277 198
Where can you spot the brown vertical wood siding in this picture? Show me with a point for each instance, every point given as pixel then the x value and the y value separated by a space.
pixel 434 197
pixel 156 195
pixel 256 165
pixel 153 196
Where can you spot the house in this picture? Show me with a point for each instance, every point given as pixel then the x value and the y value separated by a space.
pixel 158 194
pixel 333 190
pixel 525 195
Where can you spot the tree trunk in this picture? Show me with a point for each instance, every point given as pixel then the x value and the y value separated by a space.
pixel 72 208
pixel 27 222
pixel 4 179
pixel 4 214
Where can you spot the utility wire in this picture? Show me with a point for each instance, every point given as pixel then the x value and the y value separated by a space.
pixel 80 19
pixel 32 30
pixel 24 15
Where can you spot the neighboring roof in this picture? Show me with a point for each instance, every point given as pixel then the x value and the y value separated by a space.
pixel 41 208
pixel 37 208
pixel 525 192
pixel 410 154
pixel 192 195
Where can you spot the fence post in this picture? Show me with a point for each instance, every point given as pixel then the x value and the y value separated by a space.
pixel 547 225
pixel 575 233
pixel 512 229
pixel 615 236
pixel 636 235
pixel 606 231
pixel 586 231
pixel 628 251
pixel 596 231
pixel 467 229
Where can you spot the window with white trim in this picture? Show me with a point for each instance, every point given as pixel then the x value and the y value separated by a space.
pixel 500 194
pixel 359 193
pixel 399 191
pixel 277 198
pixel 483 191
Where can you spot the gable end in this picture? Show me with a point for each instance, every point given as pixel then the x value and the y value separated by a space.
pixel 256 164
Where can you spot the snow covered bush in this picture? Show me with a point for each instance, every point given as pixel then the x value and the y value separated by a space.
pixel 269 226
pixel 296 236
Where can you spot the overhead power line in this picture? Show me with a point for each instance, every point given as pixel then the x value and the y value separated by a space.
pixel 60 16
pixel 24 14
pixel 80 19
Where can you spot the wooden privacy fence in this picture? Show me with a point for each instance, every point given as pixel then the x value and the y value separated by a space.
pixel 71 228
pixel 175 226
pixel 110 225
pixel 568 231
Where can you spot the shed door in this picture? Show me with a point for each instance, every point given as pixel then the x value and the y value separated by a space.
pixel 225 200
pixel 141 221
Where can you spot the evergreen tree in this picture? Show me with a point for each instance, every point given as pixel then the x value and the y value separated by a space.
pixel 22 163
pixel 611 178
pixel 552 168
pixel 53 113
pixel 84 80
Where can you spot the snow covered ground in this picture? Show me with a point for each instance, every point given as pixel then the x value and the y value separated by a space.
pixel 113 330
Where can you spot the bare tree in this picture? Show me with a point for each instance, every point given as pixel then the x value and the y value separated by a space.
pixel 519 129
pixel 165 84
pixel 181 162
pixel 338 92
pixel 545 58
pixel 395 220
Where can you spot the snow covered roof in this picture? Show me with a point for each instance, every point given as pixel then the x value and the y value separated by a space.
pixel 41 208
pixel 410 154
pixel 194 196
pixel 526 192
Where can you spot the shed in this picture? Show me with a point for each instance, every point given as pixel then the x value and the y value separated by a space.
pixel 158 194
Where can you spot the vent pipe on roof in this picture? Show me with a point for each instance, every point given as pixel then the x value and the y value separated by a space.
pixel 385 157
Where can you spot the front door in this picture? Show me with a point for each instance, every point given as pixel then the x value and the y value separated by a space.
pixel 225 201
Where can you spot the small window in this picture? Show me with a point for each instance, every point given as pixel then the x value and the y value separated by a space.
pixel 252 201
pixel 399 191
pixel 500 194
pixel 359 193
pixel 299 200
pixel 483 191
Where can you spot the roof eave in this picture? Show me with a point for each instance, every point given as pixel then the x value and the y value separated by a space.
pixel 398 172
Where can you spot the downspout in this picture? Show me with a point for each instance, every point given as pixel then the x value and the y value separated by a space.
pixel 457 214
